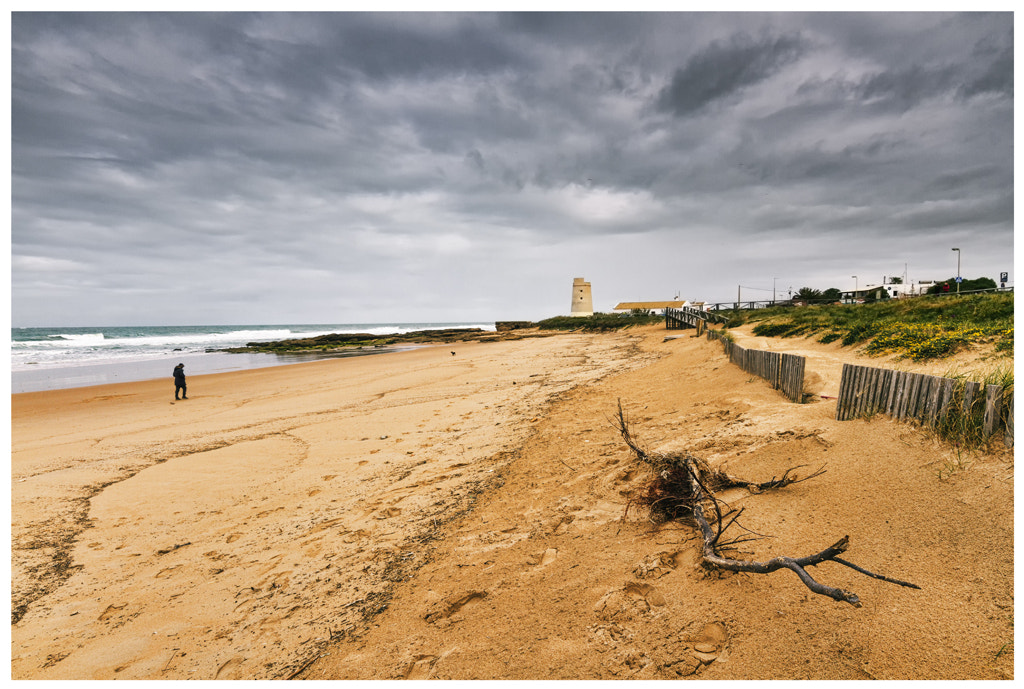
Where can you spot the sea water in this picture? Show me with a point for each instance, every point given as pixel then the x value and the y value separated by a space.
pixel 57 358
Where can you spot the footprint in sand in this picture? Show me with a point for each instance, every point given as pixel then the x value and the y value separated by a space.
pixel 233 537
pixel 708 644
pixel 635 598
pixel 653 596
pixel 545 558
pixel 657 565
pixel 111 611
pixel 230 669
pixel 420 667
pixel 453 604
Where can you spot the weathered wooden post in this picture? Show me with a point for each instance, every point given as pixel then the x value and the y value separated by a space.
pixel 1008 433
pixel 993 407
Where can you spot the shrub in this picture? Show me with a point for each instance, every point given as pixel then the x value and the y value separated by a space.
pixel 1005 341
pixel 598 322
pixel 858 333
pixel 777 329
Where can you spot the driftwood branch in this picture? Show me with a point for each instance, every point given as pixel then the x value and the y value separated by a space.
pixel 684 488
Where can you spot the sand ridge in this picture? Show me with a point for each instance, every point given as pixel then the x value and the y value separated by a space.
pixel 479 528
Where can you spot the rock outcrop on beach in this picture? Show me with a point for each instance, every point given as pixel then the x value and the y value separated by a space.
pixel 348 340
pixel 335 342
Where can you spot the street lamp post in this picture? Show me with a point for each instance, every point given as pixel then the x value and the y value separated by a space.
pixel 854 287
pixel 957 269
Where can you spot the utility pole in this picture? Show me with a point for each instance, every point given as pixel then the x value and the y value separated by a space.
pixel 957 269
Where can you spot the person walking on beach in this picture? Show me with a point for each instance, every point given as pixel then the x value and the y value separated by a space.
pixel 179 381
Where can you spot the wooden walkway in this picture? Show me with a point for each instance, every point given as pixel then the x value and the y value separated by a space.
pixel 689 317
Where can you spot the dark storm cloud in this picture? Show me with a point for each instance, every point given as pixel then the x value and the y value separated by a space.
pixel 724 69
pixel 360 166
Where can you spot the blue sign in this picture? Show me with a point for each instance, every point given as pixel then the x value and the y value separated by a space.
pixel 1003 277
pixel 959 279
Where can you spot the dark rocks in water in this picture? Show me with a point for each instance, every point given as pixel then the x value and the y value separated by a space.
pixel 339 340
pixel 504 326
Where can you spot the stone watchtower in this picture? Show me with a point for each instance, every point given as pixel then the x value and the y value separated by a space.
pixel 582 301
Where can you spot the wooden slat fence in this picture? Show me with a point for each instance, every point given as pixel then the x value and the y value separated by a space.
pixel 926 399
pixel 785 372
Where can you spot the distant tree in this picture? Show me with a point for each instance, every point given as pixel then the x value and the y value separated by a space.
pixel 808 294
pixel 832 294
pixel 895 281
pixel 965 286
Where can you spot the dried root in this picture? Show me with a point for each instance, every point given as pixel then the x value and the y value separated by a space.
pixel 683 489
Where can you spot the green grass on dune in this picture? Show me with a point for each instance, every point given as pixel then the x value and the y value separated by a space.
pixel 921 328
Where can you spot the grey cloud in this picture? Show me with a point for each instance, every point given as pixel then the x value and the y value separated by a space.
pixel 243 161
pixel 997 78
pixel 725 68
pixel 908 87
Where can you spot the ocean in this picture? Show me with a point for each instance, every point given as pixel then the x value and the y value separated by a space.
pixel 58 358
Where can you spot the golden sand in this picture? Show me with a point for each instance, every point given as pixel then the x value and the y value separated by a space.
pixel 420 514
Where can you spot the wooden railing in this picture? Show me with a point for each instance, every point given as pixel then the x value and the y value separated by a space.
pixel 689 317
pixel 785 372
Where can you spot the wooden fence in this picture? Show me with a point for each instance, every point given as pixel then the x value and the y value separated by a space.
pixel 923 398
pixel 785 372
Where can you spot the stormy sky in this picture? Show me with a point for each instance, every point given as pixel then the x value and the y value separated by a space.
pixel 329 168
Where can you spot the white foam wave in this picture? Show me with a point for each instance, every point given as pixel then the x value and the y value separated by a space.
pixel 67 349
pixel 83 338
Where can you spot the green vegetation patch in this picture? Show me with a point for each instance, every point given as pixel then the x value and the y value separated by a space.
pixel 963 426
pixel 920 342
pixel 780 329
pixel 919 329
pixel 598 322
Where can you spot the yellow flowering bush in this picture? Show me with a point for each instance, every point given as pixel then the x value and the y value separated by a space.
pixel 919 341
pixel 1004 343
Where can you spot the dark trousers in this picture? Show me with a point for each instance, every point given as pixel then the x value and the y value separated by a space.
pixel 179 386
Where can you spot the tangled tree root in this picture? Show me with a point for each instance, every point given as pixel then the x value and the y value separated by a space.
pixel 683 489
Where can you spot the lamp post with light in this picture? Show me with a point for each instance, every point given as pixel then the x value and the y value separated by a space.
pixel 957 250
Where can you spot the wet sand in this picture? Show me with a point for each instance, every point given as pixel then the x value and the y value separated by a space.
pixel 423 515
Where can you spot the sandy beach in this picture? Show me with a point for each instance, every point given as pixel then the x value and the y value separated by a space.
pixel 426 514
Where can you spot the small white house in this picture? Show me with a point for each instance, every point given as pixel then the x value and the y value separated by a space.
pixel 627 306
pixel 898 291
